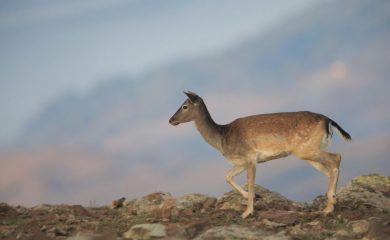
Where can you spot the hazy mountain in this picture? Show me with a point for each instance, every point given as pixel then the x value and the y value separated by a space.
pixel 332 59
pixel 304 45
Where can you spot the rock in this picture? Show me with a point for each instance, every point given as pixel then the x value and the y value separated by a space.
pixel 265 200
pixel 176 230
pixel 146 231
pixel 315 225
pixel 118 203
pixel 360 226
pixel 370 191
pixel 164 206
pixel 342 233
pixel 79 211
pixel 7 230
pixel 209 203
pixel 278 236
pixel 60 232
pixel 81 237
pixel 297 230
pixel 279 216
pixel 188 212
pixel 71 219
pixel 43 228
pixel 271 224
pixel 232 232
pixel 186 231
pixel 43 207
pixel 361 213
pixel 148 203
pixel 191 203
pixel 7 212
pixel 372 183
pixel 194 228
pixel 33 236
pixel 193 200
pixel 166 210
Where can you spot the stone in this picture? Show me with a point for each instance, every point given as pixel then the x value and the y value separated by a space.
pixel 232 232
pixel 118 203
pixel 81 237
pixel 186 230
pixel 7 230
pixel 271 224
pixel 60 232
pixel 194 201
pixel 279 216
pixel 209 203
pixel 175 230
pixel 148 203
pixel 43 207
pixel 188 212
pixel 343 233
pixel 372 182
pixel 43 228
pixel 146 231
pixel 360 226
pixel 360 213
pixel 167 209
pixel 7 212
pixel 194 228
pixel 79 211
pixel 278 236
pixel 370 191
pixel 71 219
pixel 297 230
pixel 265 200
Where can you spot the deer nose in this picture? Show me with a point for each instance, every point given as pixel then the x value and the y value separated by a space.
pixel 173 122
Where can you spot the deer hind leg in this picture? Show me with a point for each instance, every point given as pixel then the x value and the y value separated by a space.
pixel 251 175
pixel 328 163
pixel 229 178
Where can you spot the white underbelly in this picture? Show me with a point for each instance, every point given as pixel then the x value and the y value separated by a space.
pixel 264 156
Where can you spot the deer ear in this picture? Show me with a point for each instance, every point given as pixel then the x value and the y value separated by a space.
pixel 192 96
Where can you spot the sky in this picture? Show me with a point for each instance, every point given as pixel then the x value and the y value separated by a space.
pixel 49 48
pixel 63 63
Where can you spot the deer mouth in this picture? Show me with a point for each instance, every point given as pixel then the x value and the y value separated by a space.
pixel 173 122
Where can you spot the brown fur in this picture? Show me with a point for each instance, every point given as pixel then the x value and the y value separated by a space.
pixel 260 138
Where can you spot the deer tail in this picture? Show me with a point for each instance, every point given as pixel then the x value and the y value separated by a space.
pixel 342 132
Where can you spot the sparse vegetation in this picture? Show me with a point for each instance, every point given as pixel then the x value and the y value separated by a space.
pixel 197 216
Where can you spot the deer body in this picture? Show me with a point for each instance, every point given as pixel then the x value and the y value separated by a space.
pixel 260 138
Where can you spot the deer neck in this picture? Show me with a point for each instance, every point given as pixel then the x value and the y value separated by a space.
pixel 211 132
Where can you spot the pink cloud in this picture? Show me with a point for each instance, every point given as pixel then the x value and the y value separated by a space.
pixel 23 177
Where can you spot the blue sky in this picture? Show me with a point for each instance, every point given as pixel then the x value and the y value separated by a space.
pixel 66 69
pixel 49 48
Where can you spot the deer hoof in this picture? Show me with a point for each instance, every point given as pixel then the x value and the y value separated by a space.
pixel 247 213
pixel 328 209
pixel 245 195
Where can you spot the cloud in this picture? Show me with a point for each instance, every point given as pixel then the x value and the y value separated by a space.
pixel 147 135
pixel 49 11
pixel 146 154
pixel 70 176
pixel 40 175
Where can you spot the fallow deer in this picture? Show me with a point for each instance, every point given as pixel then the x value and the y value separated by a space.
pixel 255 139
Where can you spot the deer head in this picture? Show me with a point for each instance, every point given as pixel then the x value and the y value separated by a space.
pixel 188 111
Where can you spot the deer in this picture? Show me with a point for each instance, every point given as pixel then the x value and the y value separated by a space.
pixel 260 138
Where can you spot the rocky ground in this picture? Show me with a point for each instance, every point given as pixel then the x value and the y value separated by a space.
pixel 362 212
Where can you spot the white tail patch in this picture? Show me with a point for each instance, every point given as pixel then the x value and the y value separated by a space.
pixel 326 140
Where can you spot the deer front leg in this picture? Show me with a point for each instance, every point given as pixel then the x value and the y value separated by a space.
pixel 251 175
pixel 229 178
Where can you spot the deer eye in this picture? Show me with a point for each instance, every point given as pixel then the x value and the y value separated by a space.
pixel 185 107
